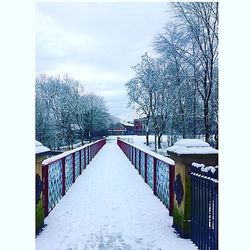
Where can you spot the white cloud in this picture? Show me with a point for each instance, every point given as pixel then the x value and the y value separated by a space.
pixel 88 74
pixel 55 41
pixel 97 43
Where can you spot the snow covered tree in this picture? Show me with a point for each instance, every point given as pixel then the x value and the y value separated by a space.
pixel 179 90
pixel 94 114
pixel 200 22
pixel 142 89
pixel 64 113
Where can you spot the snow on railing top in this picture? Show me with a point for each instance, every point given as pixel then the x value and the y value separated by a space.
pixel 64 154
pixel 192 146
pixel 130 140
pixel 147 151
pixel 204 168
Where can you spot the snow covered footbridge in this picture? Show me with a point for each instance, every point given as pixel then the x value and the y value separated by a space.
pixel 109 206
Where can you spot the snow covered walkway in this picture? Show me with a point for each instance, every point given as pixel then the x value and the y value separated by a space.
pixel 110 207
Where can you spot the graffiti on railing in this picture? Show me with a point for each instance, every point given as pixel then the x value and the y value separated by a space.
pixel 61 171
pixel 156 170
pixel 54 183
pixel 162 177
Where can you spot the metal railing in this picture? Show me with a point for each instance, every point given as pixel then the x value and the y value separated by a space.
pixel 127 139
pixel 60 172
pixel 157 171
pixel 204 206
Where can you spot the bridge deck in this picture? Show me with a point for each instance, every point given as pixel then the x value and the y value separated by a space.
pixel 110 207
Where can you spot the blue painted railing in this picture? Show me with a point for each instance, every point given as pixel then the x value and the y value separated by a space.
pixel 157 171
pixel 60 172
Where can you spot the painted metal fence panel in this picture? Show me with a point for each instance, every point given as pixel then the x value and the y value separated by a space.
pixel 142 164
pixel 131 153
pixel 59 172
pixel 82 160
pixel 68 171
pixel 150 170
pixel 87 155
pixel 54 184
pixel 137 159
pixel 204 207
pixel 156 172
pixel 133 156
pixel 77 164
pixel 162 176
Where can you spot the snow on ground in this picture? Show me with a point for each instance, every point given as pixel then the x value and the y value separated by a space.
pixel 140 141
pixel 182 146
pixel 110 207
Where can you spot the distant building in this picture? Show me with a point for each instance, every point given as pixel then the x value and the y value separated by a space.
pixel 139 126
pixel 122 128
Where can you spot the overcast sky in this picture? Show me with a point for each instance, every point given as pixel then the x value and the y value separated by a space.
pixel 97 43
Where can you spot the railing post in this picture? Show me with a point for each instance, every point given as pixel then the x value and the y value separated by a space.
pixel 145 167
pixel 182 185
pixel 80 161
pixel 154 176
pixel 199 198
pixel 139 167
pixel 84 158
pixel 171 188
pixel 88 155
pixel 135 157
pixel 73 167
pixel 207 212
pixel 63 176
pixel 132 154
pixel 216 216
pixel 45 190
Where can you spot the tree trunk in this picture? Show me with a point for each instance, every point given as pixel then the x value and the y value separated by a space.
pixel 216 138
pixel 194 116
pixel 156 142
pixel 147 138
pixel 206 122
pixel 68 142
pixel 159 140
pixel 90 137
pixel 147 131
pixel 216 141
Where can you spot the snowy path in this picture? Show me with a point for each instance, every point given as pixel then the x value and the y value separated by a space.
pixel 110 207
